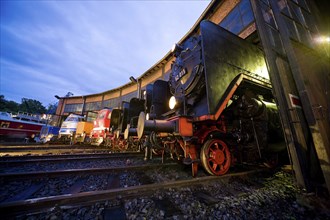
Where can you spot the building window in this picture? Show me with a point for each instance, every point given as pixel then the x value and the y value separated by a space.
pixel 91 116
pixel 297 18
pixel 73 108
pixel 93 106
pixel 239 18
pixel 111 103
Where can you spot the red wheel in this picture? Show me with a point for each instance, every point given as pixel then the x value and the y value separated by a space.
pixel 215 157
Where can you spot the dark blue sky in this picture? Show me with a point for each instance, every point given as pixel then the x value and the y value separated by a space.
pixel 53 47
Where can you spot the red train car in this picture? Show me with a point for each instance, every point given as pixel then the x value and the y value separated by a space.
pixel 20 126
pixel 101 127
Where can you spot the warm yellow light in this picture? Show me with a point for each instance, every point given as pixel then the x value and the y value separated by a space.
pixel 172 102
pixel 262 71
pixel 322 39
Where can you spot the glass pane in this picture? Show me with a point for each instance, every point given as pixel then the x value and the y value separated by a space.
pixel 309 21
pixel 73 108
pixel 265 2
pixel 246 12
pixel 303 4
pixel 284 8
pixel 296 13
pixel 268 15
pixel 275 39
pixel 245 5
pixel 233 22
pixel 291 27
pixel 92 106
pixel 110 103
pixel 304 34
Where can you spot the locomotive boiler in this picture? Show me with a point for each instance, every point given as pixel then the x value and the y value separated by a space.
pixel 217 107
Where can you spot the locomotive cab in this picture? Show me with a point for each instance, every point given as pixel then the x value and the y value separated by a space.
pixel 69 126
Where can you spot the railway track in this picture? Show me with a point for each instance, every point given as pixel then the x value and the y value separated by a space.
pixel 77 185
pixel 161 192
pixel 81 199
pixel 30 193
pixel 44 147
pixel 66 157
pixel 33 165
pixel 76 172
pixel 28 150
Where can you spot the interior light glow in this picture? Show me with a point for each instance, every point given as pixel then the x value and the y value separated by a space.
pixel 322 39
pixel 262 71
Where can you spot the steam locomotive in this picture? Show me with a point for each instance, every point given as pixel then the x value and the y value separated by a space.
pixel 217 107
pixel 112 125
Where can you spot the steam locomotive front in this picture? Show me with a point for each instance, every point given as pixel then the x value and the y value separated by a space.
pixel 187 80
pixel 174 102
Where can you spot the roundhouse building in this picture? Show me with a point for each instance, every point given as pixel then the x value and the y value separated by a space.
pixel 288 32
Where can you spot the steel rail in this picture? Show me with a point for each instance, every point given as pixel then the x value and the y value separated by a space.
pixel 65 157
pixel 87 198
pixel 43 147
pixel 60 173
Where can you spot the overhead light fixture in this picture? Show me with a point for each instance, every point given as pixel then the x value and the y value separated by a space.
pixel 133 79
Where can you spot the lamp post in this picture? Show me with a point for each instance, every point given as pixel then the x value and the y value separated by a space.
pixel 134 80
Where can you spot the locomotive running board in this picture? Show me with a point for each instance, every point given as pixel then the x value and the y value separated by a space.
pixel 215 116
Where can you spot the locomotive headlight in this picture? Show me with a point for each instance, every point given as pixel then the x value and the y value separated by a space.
pixel 147 116
pixel 172 103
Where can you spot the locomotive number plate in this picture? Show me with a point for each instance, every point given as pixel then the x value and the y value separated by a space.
pixel 180 74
